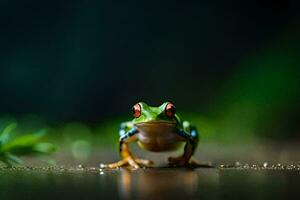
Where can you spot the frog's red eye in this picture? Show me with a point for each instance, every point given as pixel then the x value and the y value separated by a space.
pixel 170 110
pixel 137 110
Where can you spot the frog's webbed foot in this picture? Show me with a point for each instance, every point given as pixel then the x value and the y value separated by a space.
pixel 144 163
pixel 129 161
pixel 191 163
pixel 178 161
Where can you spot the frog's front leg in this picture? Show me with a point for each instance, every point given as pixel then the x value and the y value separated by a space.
pixel 127 158
pixel 190 135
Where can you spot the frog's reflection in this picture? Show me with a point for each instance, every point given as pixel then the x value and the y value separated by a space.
pixel 157 183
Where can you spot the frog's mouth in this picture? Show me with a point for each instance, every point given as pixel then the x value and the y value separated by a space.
pixel 156 123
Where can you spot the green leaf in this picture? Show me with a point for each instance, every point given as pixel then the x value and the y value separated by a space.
pixel 11 147
pixel 6 133
pixel 44 148
pixel 23 142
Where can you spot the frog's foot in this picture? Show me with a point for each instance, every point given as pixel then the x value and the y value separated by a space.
pixel 190 163
pixel 114 165
pixel 129 161
pixel 181 161
pixel 178 161
pixel 144 163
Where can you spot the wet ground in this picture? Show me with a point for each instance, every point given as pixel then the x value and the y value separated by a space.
pixel 260 171
pixel 227 182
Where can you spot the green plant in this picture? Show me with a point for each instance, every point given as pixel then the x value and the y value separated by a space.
pixel 12 146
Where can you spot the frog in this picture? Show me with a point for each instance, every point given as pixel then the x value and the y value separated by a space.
pixel 156 129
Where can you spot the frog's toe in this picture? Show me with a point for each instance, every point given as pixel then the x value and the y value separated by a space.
pixel 195 162
pixel 177 161
pixel 118 164
pixel 132 162
pixel 145 163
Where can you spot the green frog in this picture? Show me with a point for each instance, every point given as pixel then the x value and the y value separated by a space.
pixel 156 129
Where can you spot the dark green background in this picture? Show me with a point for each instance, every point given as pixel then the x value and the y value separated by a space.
pixel 233 62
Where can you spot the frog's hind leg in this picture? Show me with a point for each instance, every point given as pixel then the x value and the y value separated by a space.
pixel 127 158
pixel 191 139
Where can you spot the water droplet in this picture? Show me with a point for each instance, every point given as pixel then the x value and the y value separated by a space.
pixel 237 164
pixel 246 166
pixel 102 165
pixel 265 164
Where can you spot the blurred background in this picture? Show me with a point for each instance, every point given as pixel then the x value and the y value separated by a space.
pixel 77 67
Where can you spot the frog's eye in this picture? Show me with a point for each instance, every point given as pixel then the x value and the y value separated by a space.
pixel 170 110
pixel 137 110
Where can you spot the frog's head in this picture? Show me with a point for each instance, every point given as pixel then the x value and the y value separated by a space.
pixel 165 113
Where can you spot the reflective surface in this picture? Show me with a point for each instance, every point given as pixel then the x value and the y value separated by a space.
pixel 159 183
